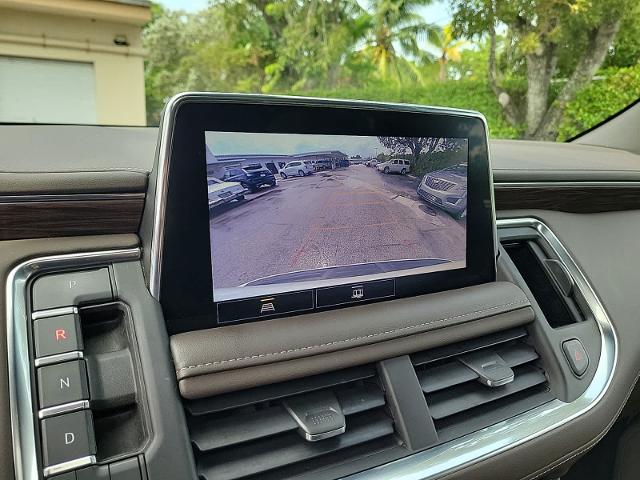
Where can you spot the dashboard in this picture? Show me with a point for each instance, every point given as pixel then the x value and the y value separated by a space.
pixel 266 287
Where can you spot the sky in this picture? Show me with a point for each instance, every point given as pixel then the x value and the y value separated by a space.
pixel 438 13
pixel 227 143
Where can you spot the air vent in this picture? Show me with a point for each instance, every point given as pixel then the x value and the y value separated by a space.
pixel 473 384
pixel 549 282
pixel 283 430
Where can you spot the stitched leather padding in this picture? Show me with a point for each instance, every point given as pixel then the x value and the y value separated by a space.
pixel 206 352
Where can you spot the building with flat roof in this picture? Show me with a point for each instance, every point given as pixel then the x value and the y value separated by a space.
pixel 72 61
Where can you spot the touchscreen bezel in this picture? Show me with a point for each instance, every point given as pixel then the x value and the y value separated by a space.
pixel 180 243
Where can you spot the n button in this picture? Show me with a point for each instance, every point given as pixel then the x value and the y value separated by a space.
pixel 62 383
pixel 55 335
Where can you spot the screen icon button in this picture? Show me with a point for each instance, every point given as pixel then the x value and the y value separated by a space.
pixel 264 307
pixel 361 292
pixel 357 292
pixel 267 306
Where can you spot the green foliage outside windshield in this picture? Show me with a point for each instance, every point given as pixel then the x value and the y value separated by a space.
pixel 540 69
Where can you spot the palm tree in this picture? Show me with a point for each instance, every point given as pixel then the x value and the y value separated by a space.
pixel 393 24
pixel 449 48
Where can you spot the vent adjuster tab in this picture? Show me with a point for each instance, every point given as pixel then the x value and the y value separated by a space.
pixel 318 415
pixel 491 368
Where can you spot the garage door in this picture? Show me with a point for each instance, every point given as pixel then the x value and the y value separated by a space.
pixel 46 91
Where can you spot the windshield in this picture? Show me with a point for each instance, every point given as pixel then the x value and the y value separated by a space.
pixel 537 70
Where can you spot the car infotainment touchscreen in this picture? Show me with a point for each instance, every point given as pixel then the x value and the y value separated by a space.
pixel 300 211
pixel 275 206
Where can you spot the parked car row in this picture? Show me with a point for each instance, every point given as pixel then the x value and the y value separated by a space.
pixel 446 189
pixel 236 182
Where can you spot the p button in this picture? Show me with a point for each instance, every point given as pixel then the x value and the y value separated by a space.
pixel 55 335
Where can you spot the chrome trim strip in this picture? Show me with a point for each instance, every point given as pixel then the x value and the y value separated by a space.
pixel 64 408
pixel 488 442
pixel 58 358
pixel 70 465
pixel 69 197
pixel 166 134
pixel 54 312
pixel 21 401
pixel 568 184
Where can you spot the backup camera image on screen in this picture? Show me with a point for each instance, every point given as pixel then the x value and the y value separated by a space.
pixel 291 211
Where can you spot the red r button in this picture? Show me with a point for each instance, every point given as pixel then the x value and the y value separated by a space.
pixel 54 335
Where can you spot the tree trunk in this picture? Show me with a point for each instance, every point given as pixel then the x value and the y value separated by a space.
pixel 600 40
pixel 509 109
pixel 443 68
pixel 540 65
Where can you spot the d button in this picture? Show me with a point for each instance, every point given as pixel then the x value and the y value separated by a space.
pixel 67 437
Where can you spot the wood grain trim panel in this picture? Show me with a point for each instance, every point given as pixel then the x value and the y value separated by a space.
pixel 568 198
pixel 68 217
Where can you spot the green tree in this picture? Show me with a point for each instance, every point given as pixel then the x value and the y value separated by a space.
pixel 394 29
pixel 450 49
pixel 167 42
pixel 625 51
pixel 545 31
pixel 315 44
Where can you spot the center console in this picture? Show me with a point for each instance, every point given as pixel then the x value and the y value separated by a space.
pixel 321 291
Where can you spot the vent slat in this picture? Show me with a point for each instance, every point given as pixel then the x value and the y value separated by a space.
pixel 467 346
pixel 445 376
pixel 280 390
pixel 209 434
pixel 359 400
pixel 502 409
pixel 284 450
pixel 454 400
pixel 517 354
pixel 454 373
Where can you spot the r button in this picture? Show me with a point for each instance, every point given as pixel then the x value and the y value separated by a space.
pixel 55 335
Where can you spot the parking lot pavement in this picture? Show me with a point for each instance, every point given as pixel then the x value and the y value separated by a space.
pixel 260 193
pixel 339 217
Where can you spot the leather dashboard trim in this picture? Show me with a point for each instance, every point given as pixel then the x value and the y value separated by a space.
pixel 214 351
pixel 115 180
pixel 221 382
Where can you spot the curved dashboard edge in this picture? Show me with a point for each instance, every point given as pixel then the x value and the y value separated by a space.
pixel 20 394
pixel 473 448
